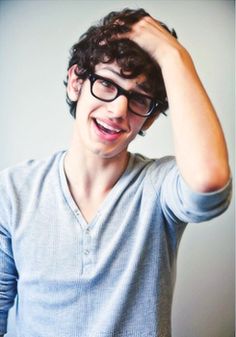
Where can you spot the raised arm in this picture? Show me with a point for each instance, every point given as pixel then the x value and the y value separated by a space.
pixel 199 142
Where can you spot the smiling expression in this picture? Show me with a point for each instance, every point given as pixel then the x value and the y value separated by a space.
pixel 106 128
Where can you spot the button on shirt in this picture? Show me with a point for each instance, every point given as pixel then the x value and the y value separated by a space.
pixel 112 277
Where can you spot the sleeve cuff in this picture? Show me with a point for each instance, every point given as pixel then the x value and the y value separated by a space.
pixel 205 206
pixel 3 322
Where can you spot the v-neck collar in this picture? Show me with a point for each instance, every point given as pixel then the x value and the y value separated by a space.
pixel 105 203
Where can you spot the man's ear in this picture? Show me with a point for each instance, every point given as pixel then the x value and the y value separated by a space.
pixel 150 120
pixel 74 83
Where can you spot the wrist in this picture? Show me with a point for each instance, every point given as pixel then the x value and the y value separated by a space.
pixel 173 58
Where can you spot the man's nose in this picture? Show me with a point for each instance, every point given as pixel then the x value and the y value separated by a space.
pixel 119 107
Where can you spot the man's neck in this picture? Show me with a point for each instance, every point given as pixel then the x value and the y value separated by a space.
pixel 90 174
pixel 90 178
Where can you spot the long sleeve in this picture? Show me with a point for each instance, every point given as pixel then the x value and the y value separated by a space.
pixel 8 272
pixel 180 201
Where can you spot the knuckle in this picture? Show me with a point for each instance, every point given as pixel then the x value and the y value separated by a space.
pixel 141 24
pixel 144 22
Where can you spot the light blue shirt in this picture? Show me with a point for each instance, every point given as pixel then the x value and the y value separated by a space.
pixel 112 277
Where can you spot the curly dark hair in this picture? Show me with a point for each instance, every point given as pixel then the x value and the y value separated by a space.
pixel 99 45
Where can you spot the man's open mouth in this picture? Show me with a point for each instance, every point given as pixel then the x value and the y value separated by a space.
pixel 104 127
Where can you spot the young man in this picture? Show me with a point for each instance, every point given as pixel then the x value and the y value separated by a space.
pixel 89 237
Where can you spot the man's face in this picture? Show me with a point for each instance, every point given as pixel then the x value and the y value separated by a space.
pixel 107 128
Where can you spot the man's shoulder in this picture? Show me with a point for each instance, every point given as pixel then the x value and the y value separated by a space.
pixel 29 169
pixel 162 163
pixel 155 170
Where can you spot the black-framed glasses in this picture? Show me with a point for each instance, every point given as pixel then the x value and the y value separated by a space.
pixel 107 91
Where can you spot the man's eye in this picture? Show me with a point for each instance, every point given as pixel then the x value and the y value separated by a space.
pixel 106 84
pixel 141 100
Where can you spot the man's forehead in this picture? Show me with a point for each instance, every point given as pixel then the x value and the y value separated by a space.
pixel 140 81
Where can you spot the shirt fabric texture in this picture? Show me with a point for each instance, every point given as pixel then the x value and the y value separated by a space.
pixel 112 277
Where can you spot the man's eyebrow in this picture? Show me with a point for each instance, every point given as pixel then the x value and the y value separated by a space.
pixel 143 85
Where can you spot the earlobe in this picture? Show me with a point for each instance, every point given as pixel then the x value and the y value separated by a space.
pixel 74 83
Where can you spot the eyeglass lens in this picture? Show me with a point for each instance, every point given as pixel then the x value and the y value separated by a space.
pixel 108 91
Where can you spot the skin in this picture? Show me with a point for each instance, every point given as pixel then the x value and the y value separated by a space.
pixel 200 146
pixel 93 165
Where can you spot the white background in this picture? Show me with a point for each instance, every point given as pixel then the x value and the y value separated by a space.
pixel 35 37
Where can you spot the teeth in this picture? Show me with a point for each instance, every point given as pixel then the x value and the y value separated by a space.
pixel 107 126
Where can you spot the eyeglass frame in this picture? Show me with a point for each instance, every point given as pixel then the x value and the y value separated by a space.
pixel 120 91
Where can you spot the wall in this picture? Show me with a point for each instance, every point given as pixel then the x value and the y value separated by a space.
pixel 35 37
